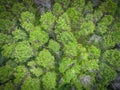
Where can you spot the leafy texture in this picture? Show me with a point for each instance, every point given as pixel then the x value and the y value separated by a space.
pixel 45 59
pixel 54 46
pixel 38 38
pixel 47 21
pixel 113 58
pixel 23 52
pixel 49 81
pixel 59 44
pixel 31 84
pixel 20 72
pixel 5 73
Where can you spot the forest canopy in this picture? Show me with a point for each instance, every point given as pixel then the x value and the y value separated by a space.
pixel 59 44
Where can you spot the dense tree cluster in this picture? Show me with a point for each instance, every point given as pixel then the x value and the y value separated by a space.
pixel 71 45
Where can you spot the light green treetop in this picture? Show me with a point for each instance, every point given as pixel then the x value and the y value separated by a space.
pixel 71 74
pixel 57 9
pixel 102 26
pixel 5 73
pixel 19 74
pixel 47 21
pixel 4 39
pixel 49 81
pixel 8 50
pixel 54 46
pixel 97 15
pixel 31 84
pixel 27 20
pixel 70 49
pixel 86 28
pixel 6 25
pixel 64 3
pixel 93 52
pixel 89 66
pixel 65 64
pixel 78 4
pixel 66 37
pixel 27 26
pixel 38 37
pixel 62 24
pixel 22 52
pixel 74 17
pixel 88 8
pixel 19 35
pixel 45 59
pixel 82 53
pixel 27 17
pixel 36 71
pixel 113 58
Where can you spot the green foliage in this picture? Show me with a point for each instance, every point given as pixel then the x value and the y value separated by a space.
pixel 27 20
pixel 113 58
pixel 4 38
pixel 36 71
pixel 89 17
pixel 66 37
pixel 9 86
pixel 71 74
pixel 2 8
pixel 107 20
pixel 65 64
pixel 6 15
pixel 108 41
pixel 74 17
pixel 102 26
pixel 78 4
pixel 18 35
pixel 22 52
pixel 49 81
pixel 88 8
pixel 93 52
pixel 8 50
pixel 18 8
pixel 107 74
pixel 109 6
pixel 62 24
pixel 47 21
pixel 57 9
pixel 64 3
pixel 28 26
pixel 45 59
pixel 38 37
pixel 27 17
pixel 19 74
pixel 86 28
pixel 70 49
pixel 31 63
pixel 97 15
pixel 5 73
pixel 31 84
pixel 6 25
pixel 116 26
pixel 54 46
pixel 73 46
pixel 82 53
pixel 89 66
pixel 111 39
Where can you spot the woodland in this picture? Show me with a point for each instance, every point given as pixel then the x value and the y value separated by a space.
pixel 59 44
